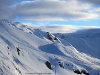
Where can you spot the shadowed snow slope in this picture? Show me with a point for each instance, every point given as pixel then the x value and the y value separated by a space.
pixel 86 41
pixel 25 50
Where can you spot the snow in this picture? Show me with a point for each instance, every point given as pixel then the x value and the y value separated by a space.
pixel 74 51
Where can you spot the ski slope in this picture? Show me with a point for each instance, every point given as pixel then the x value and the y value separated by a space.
pixel 25 50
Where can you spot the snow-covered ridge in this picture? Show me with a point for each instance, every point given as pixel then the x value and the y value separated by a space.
pixel 25 50
pixel 87 41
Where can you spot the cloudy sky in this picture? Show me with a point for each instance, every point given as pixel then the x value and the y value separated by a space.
pixel 53 15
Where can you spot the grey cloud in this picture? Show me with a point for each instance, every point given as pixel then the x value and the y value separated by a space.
pixel 5 11
pixel 96 2
pixel 88 30
pixel 54 10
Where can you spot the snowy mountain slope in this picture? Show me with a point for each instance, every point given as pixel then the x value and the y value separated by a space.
pixel 25 50
pixel 86 41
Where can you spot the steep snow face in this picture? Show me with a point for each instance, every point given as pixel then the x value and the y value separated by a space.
pixel 25 50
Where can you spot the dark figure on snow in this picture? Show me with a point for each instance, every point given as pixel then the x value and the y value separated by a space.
pixel 18 51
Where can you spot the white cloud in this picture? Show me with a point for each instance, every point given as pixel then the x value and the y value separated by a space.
pixel 54 10
pixel 96 10
pixel 59 28
pixel 54 28
pixel 89 27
